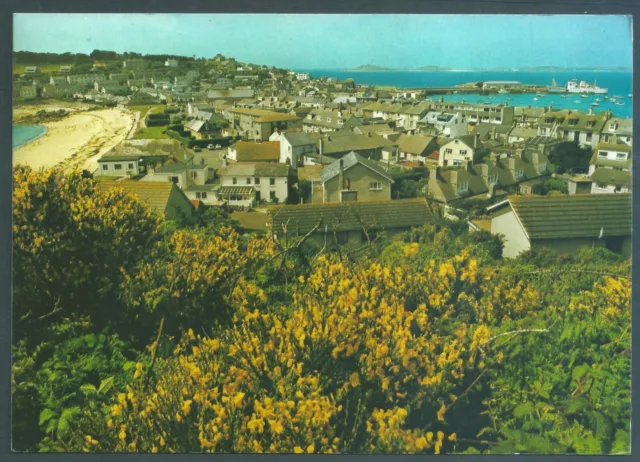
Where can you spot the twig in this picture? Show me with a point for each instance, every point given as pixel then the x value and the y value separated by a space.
pixel 155 351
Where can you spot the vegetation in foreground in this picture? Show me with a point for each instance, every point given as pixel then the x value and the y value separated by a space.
pixel 133 335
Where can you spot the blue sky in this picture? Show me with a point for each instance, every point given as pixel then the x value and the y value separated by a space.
pixel 342 41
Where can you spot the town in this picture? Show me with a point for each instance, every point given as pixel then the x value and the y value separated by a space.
pixel 321 234
pixel 250 137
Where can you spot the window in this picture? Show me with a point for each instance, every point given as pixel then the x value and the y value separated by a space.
pixel 456 162
pixel 201 195
pixel 591 123
pixel 234 180
pixel 621 155
pixel 256 180
pixel 272 195
pixel 272 181
pixel 461 187
pixel 463 152
pixel 493 179
pixel 174 179
pixel 375 186
pixel 612 126
pixel 589 136
pixel 118 166
pixel 289 149
pixel 130 166
pixel 603 154
pixel 573 122
pixel 105 167
pixel 448 151
pixel 606 138
pixel 248 180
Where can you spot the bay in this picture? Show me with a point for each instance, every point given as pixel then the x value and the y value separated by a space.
pixel 23 134
pixel 619 83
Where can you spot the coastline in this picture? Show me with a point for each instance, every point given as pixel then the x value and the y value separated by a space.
pixel 43 133
pixel 77 141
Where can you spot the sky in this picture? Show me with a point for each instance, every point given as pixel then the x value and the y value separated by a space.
pixel 342 41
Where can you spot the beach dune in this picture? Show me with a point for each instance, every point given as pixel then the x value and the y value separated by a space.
pixel 77 141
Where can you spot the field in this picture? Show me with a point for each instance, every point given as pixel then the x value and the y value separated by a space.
pixel 47 68
pixel 150 133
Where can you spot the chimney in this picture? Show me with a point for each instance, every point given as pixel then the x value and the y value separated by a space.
pixel 535 159
pixel 453 178
pixel 518 153
pixel 476 138
pixel 341 175
pixel 320 148
pixel 493 133
pixel 511 162
pixel 484 171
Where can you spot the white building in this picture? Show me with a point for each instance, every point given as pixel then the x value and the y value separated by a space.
pixel 171 63
pixel 302 76
pixel 247 184
pixel 458 150
pixel 451 125
pixel 293 146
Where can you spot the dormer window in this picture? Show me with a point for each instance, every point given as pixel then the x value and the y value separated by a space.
pixel 573 122
pixel 621 156
pixel 462 187
pixel 493 179
pixel 613 126
pixel 591 123
pixel 603 154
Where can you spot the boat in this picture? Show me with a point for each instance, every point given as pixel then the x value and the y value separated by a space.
pixel 535 99
pixel 563 96
pixel 619 103
pixel 606 97
pixel 573 86
pixel 577 101
pixel 598 100
pixel 629 95
pixel 595 104
pixel 554 88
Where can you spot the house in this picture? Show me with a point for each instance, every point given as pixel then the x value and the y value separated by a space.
pixel 476 113
pixel 302 76
pixel 323 120
pixel 313 175
pixel 414 148
pixel 65 69
pixel 450 125
pixel 338 144
pixel 230 95
pixel 120 165
pixel 617 130
pixel 249 151
pixel 31 70
pixel 259 124
pixel 574 126
pixel 134 64
pixel 293 147
pixel 408 117
pixel 564 223
pixel 458 149
pixel 171 63
pixel 487 179
pixel 181 174
pixel 354 178
pixel 28 92
pixel 529 116
pixel 85 79
pixel 610 168
pixel 58 79
pixel 248 184
pixel 351 224
pixel 520 134
pixel 165 199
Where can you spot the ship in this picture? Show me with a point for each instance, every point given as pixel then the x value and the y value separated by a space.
pixel 554 88
pixel 573 86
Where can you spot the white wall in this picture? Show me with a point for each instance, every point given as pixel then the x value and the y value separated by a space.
pixel 128 167
pixel 265 188
pixel 515 239
pixel 455 146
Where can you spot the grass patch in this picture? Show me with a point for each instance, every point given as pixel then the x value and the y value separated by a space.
pixel 47 68
pixel 147 133
pixel 143 109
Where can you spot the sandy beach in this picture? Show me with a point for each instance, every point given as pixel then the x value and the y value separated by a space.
pixel 78 140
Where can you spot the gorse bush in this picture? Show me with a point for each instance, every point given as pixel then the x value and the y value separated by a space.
pixel 229 343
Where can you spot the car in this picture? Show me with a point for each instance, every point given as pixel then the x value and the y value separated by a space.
pixel 218 146
pixel 211 147
pixel 197 149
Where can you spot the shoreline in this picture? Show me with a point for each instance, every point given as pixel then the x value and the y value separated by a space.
pixel 44 132
pixel 77 141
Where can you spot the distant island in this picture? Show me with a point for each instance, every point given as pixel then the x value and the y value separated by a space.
pixel 375 68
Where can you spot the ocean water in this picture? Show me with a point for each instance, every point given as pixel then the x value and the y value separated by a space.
pixel 618 83
pixel 23 134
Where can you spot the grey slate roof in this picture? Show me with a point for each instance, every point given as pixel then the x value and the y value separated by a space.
pixel 349 216
pixel 298 138
pixel 348 161
pixel 553 217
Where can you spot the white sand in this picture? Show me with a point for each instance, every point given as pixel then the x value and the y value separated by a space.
pixel 77 141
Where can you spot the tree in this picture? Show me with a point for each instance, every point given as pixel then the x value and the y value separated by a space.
pixel 569 157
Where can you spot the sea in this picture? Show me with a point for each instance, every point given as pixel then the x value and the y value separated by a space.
pixel 23 134
pixel 619 83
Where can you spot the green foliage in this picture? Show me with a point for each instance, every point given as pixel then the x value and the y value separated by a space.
pixel 569 157
pixel 551 184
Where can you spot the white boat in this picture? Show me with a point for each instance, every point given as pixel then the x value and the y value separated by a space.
pixel 630 95
pixel 573 86
pixel 619 103
pixel 535 99
pixel 584 96
pixel 595 104
pixel 598 99
pixel 577 101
